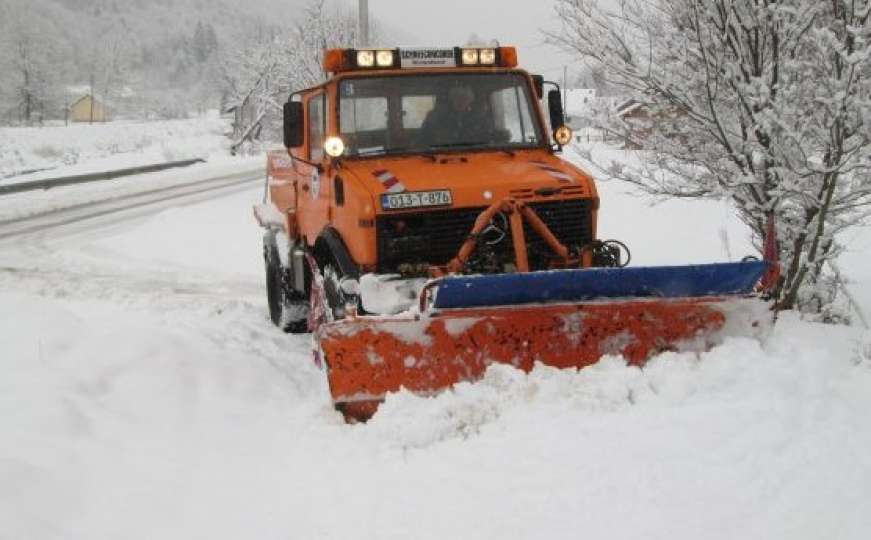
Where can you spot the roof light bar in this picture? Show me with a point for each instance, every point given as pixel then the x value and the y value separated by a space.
pixel 343 60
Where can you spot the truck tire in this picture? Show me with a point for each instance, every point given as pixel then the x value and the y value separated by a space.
pixel 288 309
pixel 336 264
pixel 335 297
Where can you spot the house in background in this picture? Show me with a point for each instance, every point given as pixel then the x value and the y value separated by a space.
pixel 579 107
pixel 586 111
pixel 88 108
pixel 636 115
pixel 84 105
pixel 632 109
pixel 639 117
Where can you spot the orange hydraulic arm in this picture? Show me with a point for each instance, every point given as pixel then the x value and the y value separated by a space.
pixel 517 212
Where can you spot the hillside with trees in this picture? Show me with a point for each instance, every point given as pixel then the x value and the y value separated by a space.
pixel 146 59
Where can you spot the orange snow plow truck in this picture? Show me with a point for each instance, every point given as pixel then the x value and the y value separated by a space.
pixel 422 226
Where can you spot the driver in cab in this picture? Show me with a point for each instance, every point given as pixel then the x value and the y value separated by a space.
pixel 458 119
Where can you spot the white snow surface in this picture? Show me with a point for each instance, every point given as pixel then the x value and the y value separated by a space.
pixel 389 294
pixel 36 153
pixel 144 394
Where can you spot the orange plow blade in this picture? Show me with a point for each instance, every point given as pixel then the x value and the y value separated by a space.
pixel 370 357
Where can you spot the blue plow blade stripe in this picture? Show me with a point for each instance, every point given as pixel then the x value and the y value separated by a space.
pixel 722 279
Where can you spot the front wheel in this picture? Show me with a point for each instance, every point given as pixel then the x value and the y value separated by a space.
pixel 288 309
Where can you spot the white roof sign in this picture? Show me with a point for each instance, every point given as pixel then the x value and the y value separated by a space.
pixel 426 57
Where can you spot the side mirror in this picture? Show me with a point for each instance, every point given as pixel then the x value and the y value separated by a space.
pixel 294 132
pixel 538 83
pixel 562 134
pixel 555 105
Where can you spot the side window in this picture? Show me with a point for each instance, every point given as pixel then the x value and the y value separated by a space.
pixel 316 128
pixel 415 110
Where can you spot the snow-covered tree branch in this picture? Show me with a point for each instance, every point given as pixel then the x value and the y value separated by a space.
pixel 261 77
pixel 766 102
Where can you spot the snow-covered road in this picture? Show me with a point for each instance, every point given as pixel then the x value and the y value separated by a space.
pixel 144 394
pixel 61 221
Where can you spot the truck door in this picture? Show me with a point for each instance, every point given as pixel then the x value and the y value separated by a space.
pixel 314 188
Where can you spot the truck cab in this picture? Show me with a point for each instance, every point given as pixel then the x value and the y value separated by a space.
pixel 389 166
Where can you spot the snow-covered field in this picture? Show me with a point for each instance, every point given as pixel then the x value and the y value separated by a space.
pixel 34 153
pixel 144 394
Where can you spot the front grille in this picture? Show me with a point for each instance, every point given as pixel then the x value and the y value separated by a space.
pixel 434 238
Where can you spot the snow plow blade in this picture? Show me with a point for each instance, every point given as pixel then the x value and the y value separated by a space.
pixel 564 319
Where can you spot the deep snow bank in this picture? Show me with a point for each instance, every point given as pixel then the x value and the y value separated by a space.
pixel 145 425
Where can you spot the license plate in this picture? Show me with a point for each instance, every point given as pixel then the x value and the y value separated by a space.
pixel 416 199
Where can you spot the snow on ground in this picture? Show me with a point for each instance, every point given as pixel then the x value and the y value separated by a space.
pixel 35 153
pixel 664 232
pixel 854 265
pixel 146 395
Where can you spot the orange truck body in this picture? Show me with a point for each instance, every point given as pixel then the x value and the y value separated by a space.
pixel 323 205
pixel 476 179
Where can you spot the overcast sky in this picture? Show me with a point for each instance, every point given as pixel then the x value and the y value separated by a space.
pixel 451 22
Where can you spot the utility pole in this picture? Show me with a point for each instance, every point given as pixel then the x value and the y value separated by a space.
pixel 91 91
pixel 363 23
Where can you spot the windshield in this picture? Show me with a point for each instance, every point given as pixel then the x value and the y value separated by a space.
pixel 383 115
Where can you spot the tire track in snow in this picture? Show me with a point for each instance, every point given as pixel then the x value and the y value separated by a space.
pixel 147 201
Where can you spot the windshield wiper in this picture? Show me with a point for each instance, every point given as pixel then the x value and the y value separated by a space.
pixel 373 152
pixel 391 151
pixel 459 145
pixel 474 145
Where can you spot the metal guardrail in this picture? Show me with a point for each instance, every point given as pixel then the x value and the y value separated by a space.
pixel 49 183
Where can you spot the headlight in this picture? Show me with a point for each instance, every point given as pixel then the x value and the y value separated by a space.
pixel 384 58
pixel 334 146
pixel 365 59
pixel 563 135
pixel 488 57
pixel 470 57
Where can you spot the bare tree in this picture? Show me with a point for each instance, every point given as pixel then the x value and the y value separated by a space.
pixel 31 65
pixel 765 102
pixel 111 65
pixel 261 77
